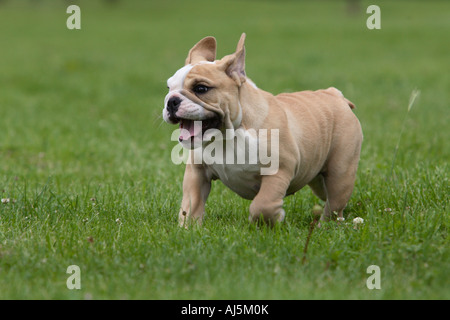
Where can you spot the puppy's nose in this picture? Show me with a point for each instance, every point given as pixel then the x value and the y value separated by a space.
pixel 173 104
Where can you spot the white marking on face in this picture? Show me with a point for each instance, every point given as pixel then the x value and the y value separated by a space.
pixel 175 85
pixel 176 81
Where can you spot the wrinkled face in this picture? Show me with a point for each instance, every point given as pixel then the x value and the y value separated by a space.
pixel 199 97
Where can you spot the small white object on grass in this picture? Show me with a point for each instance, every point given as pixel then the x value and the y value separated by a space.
pixel 357 221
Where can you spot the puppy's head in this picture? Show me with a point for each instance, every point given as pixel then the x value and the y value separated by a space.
pixel 204 94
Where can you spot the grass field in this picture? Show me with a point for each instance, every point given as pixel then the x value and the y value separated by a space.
pixel 85 154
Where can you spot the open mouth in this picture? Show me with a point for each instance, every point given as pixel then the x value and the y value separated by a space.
pixel 191 128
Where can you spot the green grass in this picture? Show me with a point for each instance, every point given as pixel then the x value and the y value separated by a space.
pixel 85 155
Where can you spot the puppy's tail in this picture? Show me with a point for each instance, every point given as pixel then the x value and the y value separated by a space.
pixel 350 104
pixel 338 93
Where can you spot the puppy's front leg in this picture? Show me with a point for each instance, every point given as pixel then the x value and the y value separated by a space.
pixel 268 203
pixel 196 187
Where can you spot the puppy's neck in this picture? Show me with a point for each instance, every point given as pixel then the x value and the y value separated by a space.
pixel 254 104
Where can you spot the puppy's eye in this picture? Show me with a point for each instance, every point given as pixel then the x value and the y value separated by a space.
pixel 200 89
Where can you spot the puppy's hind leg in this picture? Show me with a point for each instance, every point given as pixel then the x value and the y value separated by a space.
pixel 339 180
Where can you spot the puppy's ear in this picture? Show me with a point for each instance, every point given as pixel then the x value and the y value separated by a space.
pixel 235 63
pixel 240 45
pixel 204 50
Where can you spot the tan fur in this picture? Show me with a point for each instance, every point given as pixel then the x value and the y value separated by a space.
pixel 320 138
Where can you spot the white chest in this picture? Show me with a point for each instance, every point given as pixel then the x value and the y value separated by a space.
pixel 245 180
pixel 236 163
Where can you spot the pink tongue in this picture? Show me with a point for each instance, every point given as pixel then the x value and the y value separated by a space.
pixel 187 129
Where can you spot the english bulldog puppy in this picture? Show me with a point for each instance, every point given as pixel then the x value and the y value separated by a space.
pixel 313 137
